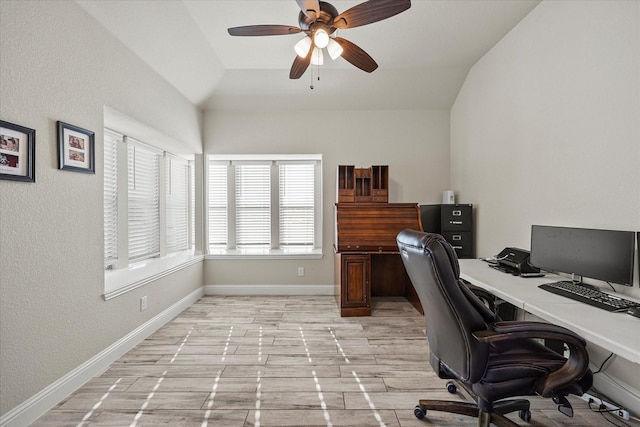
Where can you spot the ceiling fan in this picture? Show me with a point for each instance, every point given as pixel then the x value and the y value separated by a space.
pixel 319 20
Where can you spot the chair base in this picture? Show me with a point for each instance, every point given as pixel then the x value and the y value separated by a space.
pixel 496 417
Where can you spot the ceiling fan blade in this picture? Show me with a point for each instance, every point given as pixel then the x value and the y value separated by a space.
pixel 311 8
pixel 300 65
pixel 369 12
pixel 263 30
pixel 356 56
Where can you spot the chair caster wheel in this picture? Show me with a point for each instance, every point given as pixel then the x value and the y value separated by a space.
pixel 451 387
pixel 525 415
pixel 419 412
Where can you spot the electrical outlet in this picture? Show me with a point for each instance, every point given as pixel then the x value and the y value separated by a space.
pixel 300 271
pixel 143 303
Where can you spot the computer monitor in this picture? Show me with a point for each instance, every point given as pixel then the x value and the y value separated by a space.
pixel 598 254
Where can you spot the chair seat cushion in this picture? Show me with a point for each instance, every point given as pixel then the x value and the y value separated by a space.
pixel 514 368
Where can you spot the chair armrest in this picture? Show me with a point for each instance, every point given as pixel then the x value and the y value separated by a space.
pixel 503 331
pixel 575 366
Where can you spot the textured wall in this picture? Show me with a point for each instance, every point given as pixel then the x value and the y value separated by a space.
pixel 57 63
pixel 546 130
pixel 415 145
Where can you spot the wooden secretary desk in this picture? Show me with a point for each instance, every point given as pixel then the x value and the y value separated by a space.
pixel 367 261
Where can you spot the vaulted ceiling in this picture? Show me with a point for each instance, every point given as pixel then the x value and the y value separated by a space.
pixel 424 53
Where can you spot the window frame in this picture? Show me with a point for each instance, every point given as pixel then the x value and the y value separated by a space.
pixel 275 251
pixel 123 274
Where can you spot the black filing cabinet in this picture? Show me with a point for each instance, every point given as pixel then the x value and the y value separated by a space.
pixel 453 222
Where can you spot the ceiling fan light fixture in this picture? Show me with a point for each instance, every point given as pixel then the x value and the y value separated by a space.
pixel 334 49
pixel 317 57
pixel 303 46
pixel 321 38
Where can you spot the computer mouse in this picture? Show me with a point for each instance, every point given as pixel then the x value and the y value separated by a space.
pixel 634 311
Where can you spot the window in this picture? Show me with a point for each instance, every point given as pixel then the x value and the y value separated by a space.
pixel 192 200
pixel 111 140
pixel 177 204
pixel 217 205
pixel 147 209
pixel 253 206
pixel 263 205
pixel 143 191
pixel 296 204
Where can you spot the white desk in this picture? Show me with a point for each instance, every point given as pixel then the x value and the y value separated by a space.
pixel 618 333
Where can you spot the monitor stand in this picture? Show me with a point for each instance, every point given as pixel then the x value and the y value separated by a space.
pixel 581 283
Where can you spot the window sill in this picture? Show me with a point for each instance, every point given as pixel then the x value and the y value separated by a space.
pixel 263 254
pixel 118 282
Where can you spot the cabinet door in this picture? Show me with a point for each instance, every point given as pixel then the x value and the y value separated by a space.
pixel 355 280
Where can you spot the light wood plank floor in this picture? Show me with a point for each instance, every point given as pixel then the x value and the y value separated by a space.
pixel 280 361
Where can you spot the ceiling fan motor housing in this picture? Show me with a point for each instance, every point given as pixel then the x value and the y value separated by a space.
pixel 328 12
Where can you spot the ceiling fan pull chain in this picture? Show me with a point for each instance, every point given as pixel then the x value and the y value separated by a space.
pixel 311 75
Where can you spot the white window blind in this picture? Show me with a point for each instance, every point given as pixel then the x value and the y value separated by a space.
pixel 192 190
pixel 111 140
pixel 177 203
pixel 296 204
pixel 144 203
pixel 217 205
pixel 253 205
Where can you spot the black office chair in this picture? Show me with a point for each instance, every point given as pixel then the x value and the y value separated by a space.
pixel 492 359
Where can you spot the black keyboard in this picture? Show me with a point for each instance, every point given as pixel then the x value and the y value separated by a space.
pixel 589 296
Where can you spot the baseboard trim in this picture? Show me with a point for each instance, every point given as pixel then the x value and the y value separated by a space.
pixel 36 406
pixel 272 290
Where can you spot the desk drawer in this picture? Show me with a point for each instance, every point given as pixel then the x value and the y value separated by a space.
pixel 460 241
pixel 456 217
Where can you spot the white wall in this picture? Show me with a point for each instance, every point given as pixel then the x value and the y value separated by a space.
pixel 57 63
pixel 546 130
pixel 415 145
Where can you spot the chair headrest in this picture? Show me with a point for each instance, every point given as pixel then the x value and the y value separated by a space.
pixel 422 242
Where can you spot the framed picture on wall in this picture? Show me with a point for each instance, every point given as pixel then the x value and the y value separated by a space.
pixel 76 148
pixel 17 152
